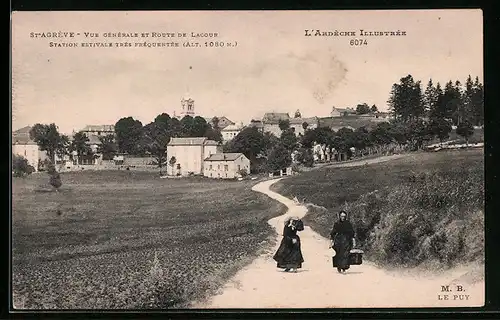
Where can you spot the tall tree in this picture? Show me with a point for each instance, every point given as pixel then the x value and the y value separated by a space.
pixel 175 128
pixel 450 103
pixel 468 96
pixel 157 137
pixel 478 102
pixel 187 126
pixel 200 127
pixel 47 137
pixel 279 158
pixel 129 135
pixel 405 101
pixel 289 140
pixel 297 114
pixel 437 110
pixel 374 109
pixel 250 141
pixel 108 147
pixel 431 96
pixel 80 146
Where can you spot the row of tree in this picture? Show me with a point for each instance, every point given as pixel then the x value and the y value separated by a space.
pixel 131 137
pixel 455 102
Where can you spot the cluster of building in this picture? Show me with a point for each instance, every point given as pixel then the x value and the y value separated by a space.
pixel 198 155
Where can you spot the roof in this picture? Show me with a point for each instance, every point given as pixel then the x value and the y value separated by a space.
pixel 22 131
pixel 224 157
pixel 195 141
pixel 232 127
pixel 101 127
pixel 302 120
pixel 223 121
pixel 348 121
pixel 275 117
pixel 23 140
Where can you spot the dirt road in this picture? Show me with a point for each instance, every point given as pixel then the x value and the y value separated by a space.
pixel 318 285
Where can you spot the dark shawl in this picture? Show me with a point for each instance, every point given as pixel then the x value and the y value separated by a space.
pixel 342 235
pixel 289 255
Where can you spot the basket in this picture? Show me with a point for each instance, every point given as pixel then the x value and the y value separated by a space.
pixel 356 257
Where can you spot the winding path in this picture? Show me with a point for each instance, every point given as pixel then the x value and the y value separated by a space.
pixel 318 285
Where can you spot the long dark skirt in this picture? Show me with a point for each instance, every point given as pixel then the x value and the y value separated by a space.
pixel 342 247
pixel 289 255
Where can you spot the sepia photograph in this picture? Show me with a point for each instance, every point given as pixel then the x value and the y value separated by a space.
pixel 211 160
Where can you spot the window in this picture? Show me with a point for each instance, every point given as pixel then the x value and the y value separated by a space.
pixel 239 167
pixel 210 167
pixel 226 168
pixel 25 152
pixel 218 167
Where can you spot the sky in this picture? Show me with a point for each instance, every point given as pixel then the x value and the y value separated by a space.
pixel 273 67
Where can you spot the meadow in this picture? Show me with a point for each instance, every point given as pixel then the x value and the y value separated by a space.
pixel 129 240
pixel 422 209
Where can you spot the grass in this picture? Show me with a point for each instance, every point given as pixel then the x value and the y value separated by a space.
pixel 419 209
pixel 128 240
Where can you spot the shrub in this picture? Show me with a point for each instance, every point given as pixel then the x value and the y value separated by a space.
pixel 21 167
pixel 55 177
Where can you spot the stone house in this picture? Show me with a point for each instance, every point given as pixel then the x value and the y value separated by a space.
pixel 226 165
pixel 189 154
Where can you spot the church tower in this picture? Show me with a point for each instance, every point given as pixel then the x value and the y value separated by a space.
pixel 187 103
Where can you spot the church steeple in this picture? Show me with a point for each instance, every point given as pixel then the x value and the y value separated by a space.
pixel 187 102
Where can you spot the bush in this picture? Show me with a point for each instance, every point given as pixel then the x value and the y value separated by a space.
pixel 21 167
pixel 305 157
pixel 55 177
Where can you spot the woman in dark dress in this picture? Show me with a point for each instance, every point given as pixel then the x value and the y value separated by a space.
pixel 342 237
pixel 289 256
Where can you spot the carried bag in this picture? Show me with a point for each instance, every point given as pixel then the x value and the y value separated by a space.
pixel 356 257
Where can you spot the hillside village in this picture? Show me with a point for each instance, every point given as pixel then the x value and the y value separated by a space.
pixel 193 155
pixel 217 147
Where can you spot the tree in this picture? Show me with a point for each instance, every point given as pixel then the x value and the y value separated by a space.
pixel 47 137
pixel 279 158
pixel 297 114
pixel 157 137
pixel 305 125
pixel 465 129
pixel 172 163
pixel 54 176
pixel 80 146
pixel 215 123
pixel 440 128
pixel 478 103
pixel 305 156
pixel 129 135
pixel 468 97
pixel 405 101
pixel 200 127
pixel 431 95
pixel 437 110
pixel 250 141
pixel 374 109
pixel 108 147
pixel 63 147
pixel 419 132
pixel 20 166
pixel 187 126
pixel 362 108
pixel 381 134
pixel 284 124
pixel 362 138
pixel 450 102
pixel 289 140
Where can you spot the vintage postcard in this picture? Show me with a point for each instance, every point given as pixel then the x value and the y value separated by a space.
pixel 247 159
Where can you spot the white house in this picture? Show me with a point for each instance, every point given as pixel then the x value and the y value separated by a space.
pixel 231 131
pixel 98 130
pixel 226 165
pixel 23 146
pixel 189 154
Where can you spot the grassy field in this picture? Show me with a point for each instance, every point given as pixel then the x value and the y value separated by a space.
pixel 422 208
pixel 131 240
